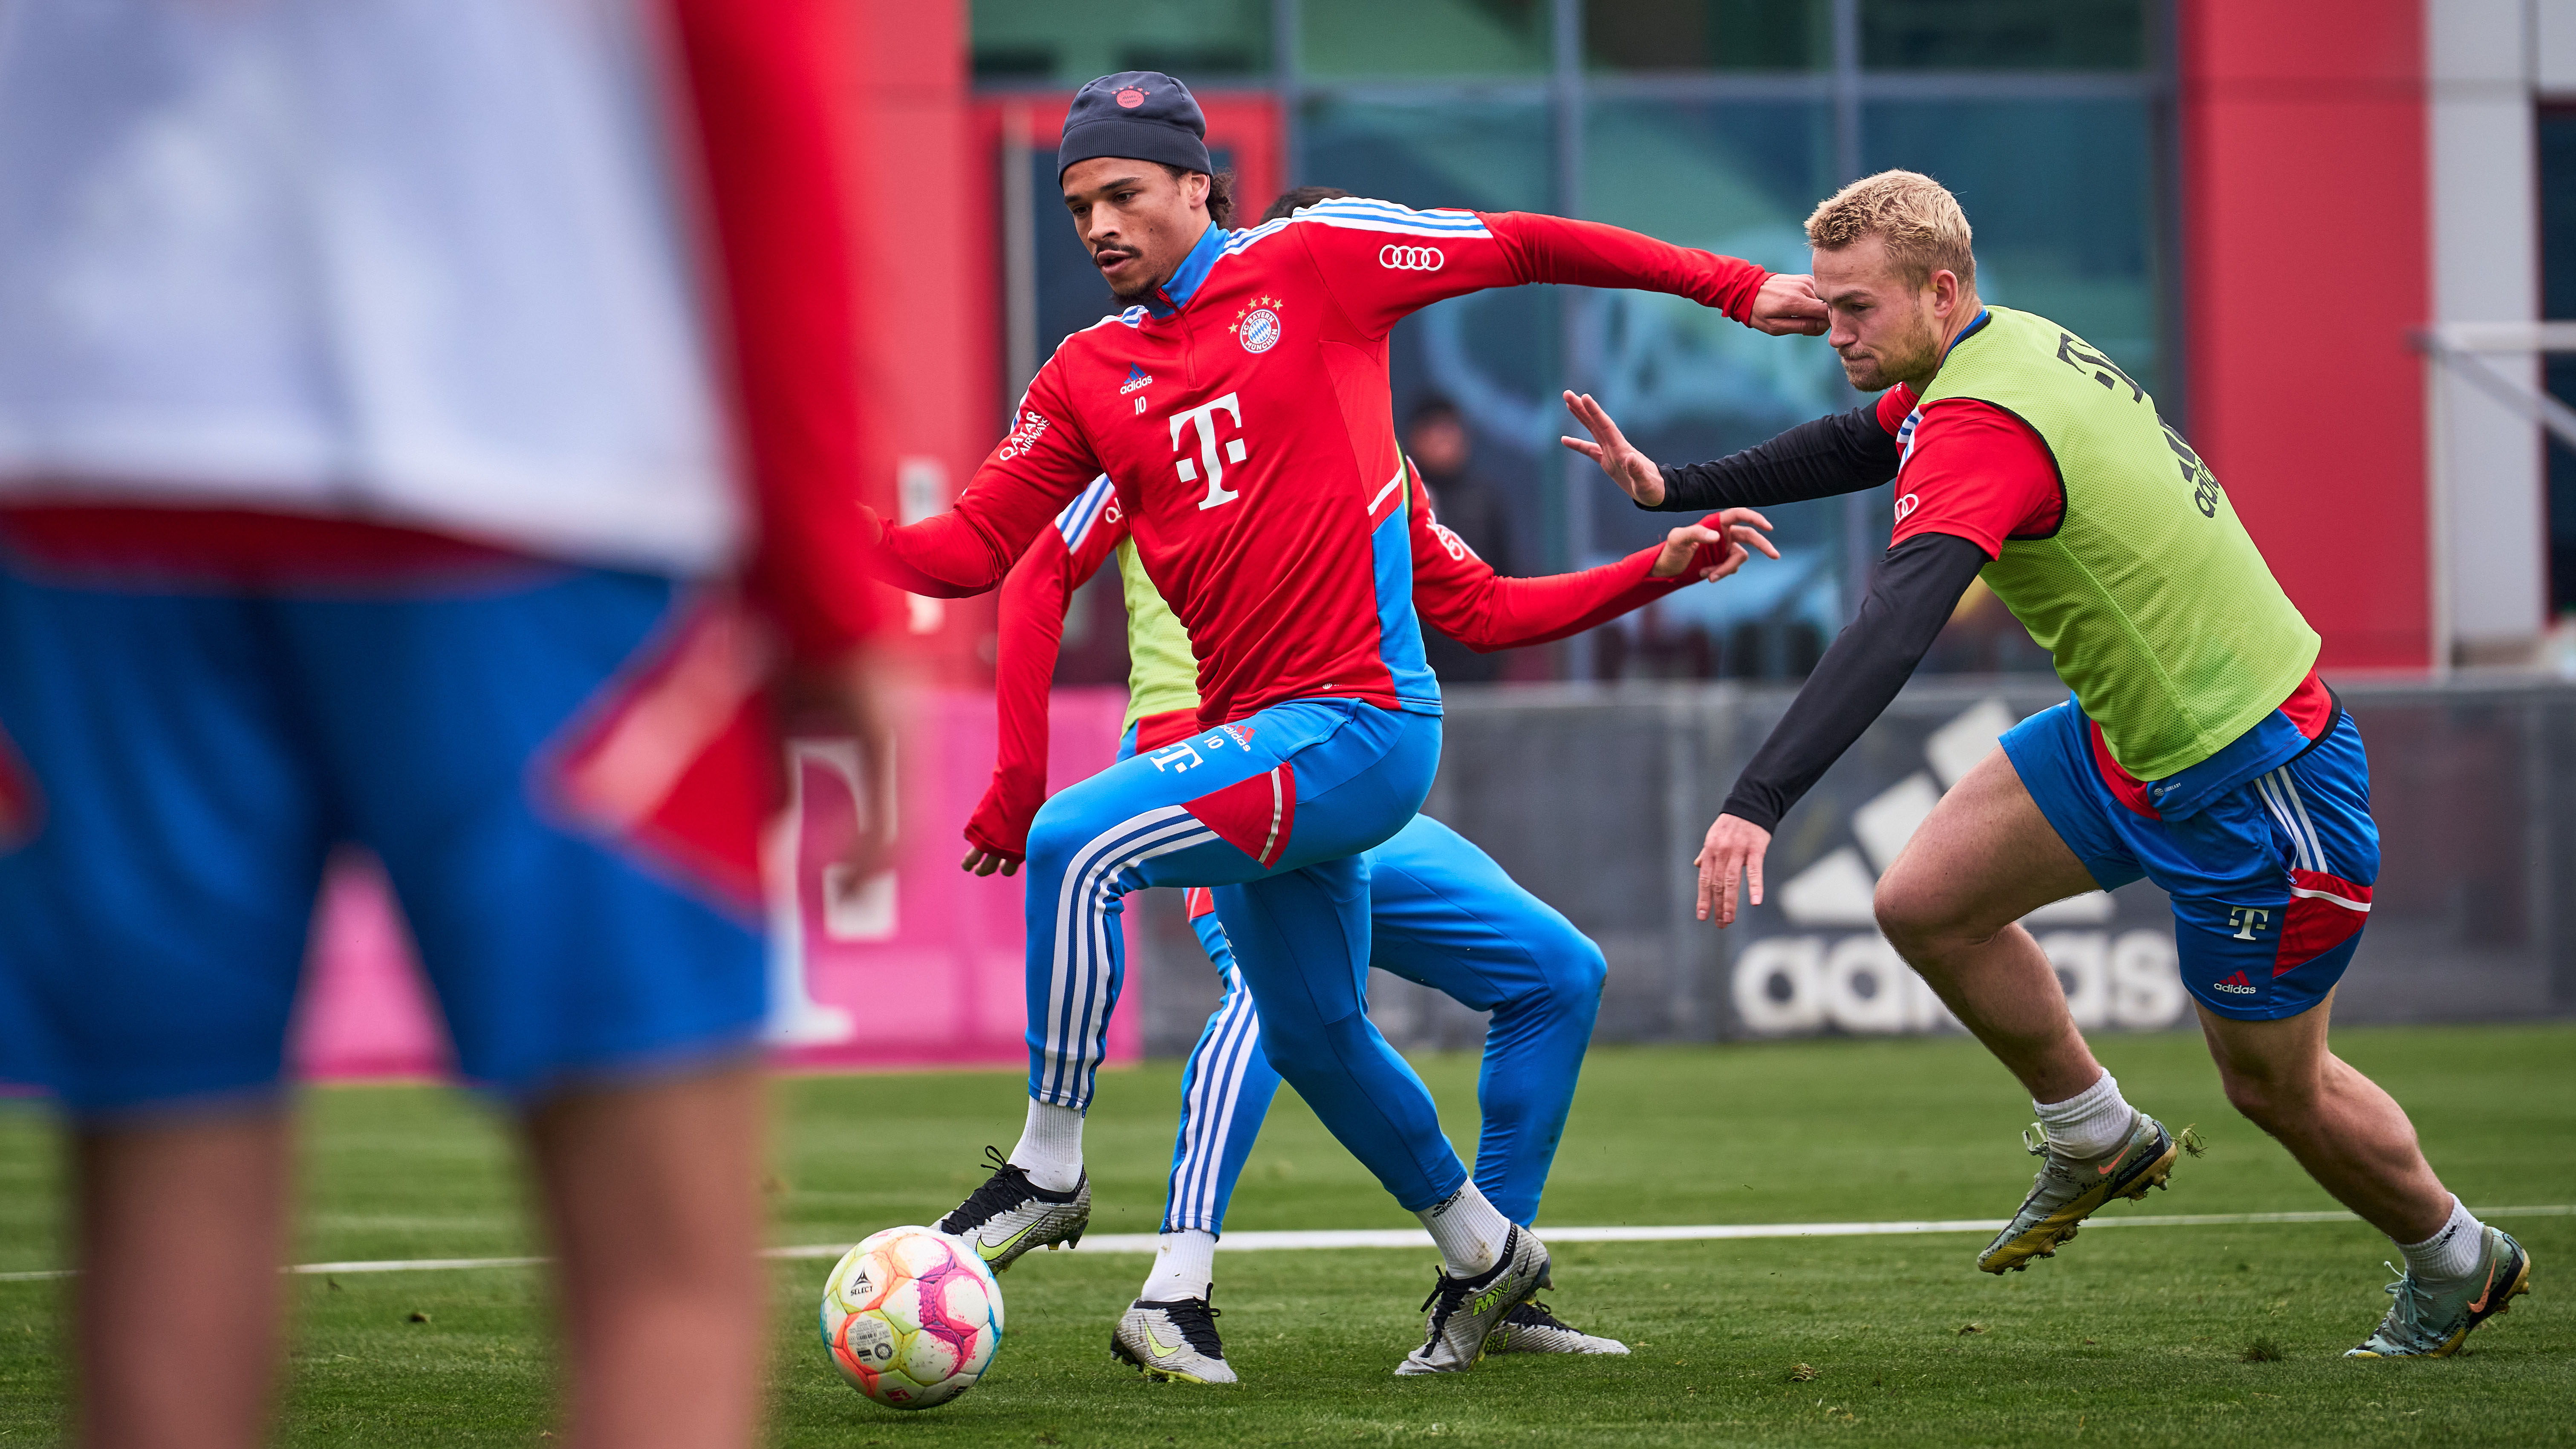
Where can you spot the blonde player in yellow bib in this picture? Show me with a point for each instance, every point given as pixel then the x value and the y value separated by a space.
pixel 2200 749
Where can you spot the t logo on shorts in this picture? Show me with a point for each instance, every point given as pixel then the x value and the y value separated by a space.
pixel 2247 920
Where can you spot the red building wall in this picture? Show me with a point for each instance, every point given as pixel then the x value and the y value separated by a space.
pixel 921 190
pixel 2306 259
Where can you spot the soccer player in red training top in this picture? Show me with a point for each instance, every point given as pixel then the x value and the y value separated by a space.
pixel 1442 913
pixel 2200 750
pixel 1241 401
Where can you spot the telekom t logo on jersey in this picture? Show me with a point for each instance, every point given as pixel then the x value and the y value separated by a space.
pixel 1204 415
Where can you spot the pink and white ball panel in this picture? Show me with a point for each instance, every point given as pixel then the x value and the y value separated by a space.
pixel 910 1318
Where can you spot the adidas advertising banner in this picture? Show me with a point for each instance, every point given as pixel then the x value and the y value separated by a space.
pixel 1596 800
pixel 1813 958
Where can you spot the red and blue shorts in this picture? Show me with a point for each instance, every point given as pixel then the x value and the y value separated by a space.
pixel 2269 871
pixel 179 761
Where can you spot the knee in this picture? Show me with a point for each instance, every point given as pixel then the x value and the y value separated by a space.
pixel 1294 1055
pixel 2266 1099
pixel 1575 971
pixel 1299 1050
pixel 1912 917
pixel 1551 971
pixel 1058 831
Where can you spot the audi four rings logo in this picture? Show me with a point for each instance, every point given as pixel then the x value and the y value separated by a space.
pixel 1411 259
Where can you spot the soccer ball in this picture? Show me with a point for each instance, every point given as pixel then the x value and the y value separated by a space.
pixel 911 1318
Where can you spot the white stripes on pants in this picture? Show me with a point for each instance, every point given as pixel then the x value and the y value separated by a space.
pixel 1079 997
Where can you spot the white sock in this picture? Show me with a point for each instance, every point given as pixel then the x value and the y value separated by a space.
pixel 2450 1253
pixel 2090 1123
pixel 1050 1147
pixel 1184 1265
pixel 1469 1230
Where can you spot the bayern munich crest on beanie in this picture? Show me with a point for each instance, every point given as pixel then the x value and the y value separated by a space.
pixel 1143 114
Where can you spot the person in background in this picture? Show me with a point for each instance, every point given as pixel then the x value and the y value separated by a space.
pixel 1436 437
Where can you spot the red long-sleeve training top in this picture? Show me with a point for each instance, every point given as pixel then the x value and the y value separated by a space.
pixel 1244 412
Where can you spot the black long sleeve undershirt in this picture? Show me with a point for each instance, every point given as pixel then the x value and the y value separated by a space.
pixel 1843 453
pixel 1911 596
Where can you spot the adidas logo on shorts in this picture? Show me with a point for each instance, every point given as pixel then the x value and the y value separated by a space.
pixel 2235 985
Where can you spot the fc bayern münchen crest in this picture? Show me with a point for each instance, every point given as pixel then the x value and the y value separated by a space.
pixel 1260 330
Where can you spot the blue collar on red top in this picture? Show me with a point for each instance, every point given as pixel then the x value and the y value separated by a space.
pixel 1175 294
pixel 1983 317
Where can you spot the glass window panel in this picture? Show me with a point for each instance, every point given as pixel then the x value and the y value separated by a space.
pixel 2062 197
pixel 1735 35
pixel 1053 43
pixel 1686 383
pixel 1342 38
pixel 1495 354
pixel 2004 34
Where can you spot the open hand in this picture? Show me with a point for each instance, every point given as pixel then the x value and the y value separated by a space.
pixel 1634 472
pixel 1788 306
pixel 1733 850
pixel 1717 553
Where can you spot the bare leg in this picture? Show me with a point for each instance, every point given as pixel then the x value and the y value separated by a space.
pixel 182 1228
pixel 2352 1137
pixel 652 1194
pixel 1950 905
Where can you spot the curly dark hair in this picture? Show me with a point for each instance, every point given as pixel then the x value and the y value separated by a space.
pixel 1220 202
pixel 1295 199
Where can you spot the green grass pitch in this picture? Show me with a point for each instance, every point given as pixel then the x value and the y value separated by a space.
pixel 2205 1336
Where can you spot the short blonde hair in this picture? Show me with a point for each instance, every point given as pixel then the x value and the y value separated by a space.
pixel 1916 216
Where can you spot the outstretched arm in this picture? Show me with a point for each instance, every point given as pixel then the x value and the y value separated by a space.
pixel 1460 594
pixel 1911 596
pixel 1842 453
pixel 1386 261
pixel 1031 628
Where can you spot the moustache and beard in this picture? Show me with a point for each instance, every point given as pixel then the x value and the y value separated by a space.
pixel 1136 288
pixel 1908 352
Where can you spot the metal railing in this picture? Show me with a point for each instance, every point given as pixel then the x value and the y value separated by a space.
pixel 2464 350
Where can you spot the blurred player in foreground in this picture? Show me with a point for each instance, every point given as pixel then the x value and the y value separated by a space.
pixel 2200 751
pixel 1241 403
pixel 1442 913
pixel 363 477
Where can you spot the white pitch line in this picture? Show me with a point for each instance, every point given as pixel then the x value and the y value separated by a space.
pixel 1702 1232
pixel 1416 1238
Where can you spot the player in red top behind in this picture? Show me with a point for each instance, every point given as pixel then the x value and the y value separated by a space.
pixel 1442 913
pixel 1242 404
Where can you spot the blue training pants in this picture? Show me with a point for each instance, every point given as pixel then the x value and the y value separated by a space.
pixel 1274 812
pixel 1442 914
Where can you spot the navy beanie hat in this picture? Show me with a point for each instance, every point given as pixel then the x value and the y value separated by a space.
pixel 1143 114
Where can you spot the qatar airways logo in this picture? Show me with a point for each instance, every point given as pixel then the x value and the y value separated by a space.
pixel 1203 417
pixel 1410 259
pixel 1023 438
